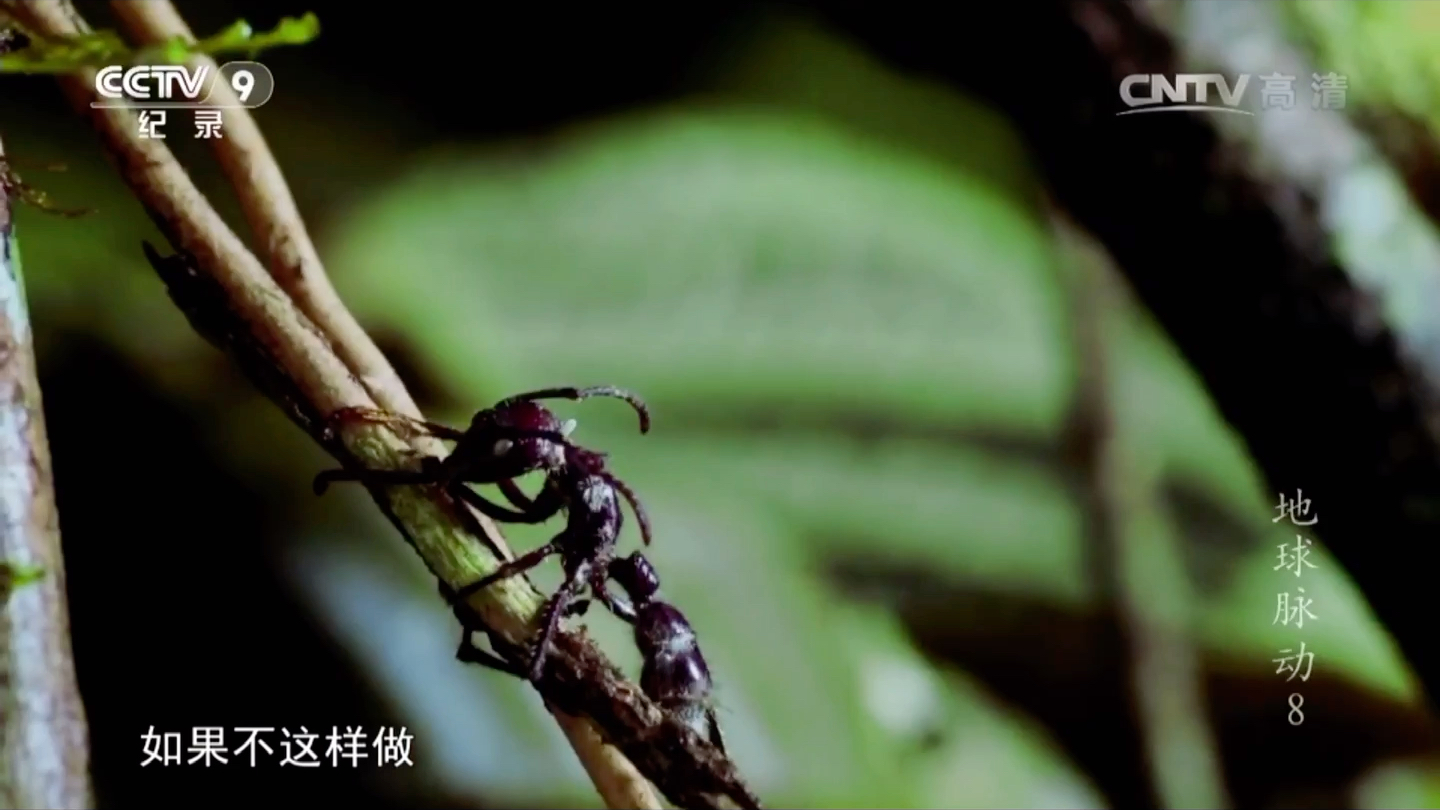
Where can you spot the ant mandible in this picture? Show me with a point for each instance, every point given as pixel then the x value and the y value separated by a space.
pixel 674 673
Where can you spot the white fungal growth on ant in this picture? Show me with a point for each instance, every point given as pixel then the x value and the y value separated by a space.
pixel 598 495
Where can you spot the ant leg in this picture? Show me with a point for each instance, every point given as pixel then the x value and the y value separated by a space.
pixel 712 726
pixel 599 585
pixel 431 470
pixel 515 495
pixel 519 565
pixel 633 399
pixel 550 616
pixel 640 515
pixel 495 511
pixel 467 652
pixel 394 420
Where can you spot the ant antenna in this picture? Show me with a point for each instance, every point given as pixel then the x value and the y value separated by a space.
pixel 640 516
pixel 611 391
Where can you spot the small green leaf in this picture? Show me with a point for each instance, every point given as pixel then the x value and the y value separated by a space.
pixel 101 48
pixel 240 37
pixel 14 576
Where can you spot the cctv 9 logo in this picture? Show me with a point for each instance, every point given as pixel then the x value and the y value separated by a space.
pixel 251 83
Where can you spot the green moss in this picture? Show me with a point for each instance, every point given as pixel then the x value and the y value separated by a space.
pixel 100 48
pixel 1385 49
pixel 13 576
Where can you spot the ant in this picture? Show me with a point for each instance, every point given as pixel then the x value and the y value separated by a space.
pixel 511 438
pixel 674 674
pixel 586 546
pixel 515 437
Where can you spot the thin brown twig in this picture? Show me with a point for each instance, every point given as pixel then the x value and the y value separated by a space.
pixel 231 300
pixel 275 222
pixel 227 294
pixel 44 741
pixel 1160 665
pixel 272 214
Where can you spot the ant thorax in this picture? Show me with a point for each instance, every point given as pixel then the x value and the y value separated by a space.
pixel 553 453
pixel 597 494
pixel 600 506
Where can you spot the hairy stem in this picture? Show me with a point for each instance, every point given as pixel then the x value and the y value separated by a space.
pixel 43 736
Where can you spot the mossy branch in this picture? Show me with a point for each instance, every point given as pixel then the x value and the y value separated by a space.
pixel 48 53
pixel 231 299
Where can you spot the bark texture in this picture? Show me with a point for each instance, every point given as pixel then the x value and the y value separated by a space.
pixel 43 735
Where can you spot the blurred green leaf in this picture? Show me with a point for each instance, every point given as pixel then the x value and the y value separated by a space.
pixel 844 342
pixel 792 63
pixel 1400 785
pixel 736 244
pixel 1386 50
pixel 743 270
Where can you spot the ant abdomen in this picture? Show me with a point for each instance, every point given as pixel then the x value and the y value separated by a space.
pixel 684 680
pixel 675 674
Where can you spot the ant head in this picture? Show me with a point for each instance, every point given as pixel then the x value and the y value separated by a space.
pixel 530 453
pixel 637 577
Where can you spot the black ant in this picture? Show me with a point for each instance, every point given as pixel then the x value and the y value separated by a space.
pixel 586 546
pixel 674 674
pixel 515 437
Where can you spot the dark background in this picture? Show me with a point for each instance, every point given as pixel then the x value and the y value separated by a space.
pixel 174 540
pixel 234 647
